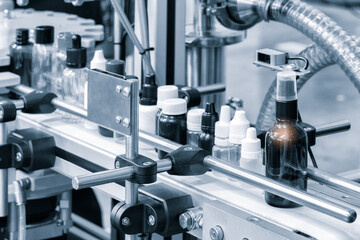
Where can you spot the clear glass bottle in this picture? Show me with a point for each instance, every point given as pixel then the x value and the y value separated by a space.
pixel 194 126
pixel 74 76
pixel 42 58
pixel 286 143
pixel 21 56
pixel 64 41
pixel 238 126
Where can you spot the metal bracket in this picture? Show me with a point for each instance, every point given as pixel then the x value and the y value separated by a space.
pixel 145 169
pixel 112 91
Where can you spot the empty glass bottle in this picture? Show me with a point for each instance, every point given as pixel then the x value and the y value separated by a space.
pixel 21 56
pixel 42 58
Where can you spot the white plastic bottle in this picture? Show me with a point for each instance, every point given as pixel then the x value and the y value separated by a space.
pixel 148 107
pixel 238 126
pixel 251 153
pixel 194 126
pixel 221 147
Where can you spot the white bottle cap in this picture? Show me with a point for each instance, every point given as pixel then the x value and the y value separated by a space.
pixel 174 106
pixel 166 92
pixel 222 126
pixel 238 126
pixel 98 60
pixel 286 86
pixel 251 145
pixel 194 119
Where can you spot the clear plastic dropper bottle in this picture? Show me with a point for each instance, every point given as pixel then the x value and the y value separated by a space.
pixel 238 126
pixel 286 142
pixel 221 147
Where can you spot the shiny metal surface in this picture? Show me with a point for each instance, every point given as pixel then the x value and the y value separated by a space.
pixel 19 104
pixel 102 177
pixel 212 88
pixel 3 192
pixel 330 208
pixel 331 128
pixel 69 108
pixel 127 26
pixel 344 185
pixel 3 176
pixel 113 175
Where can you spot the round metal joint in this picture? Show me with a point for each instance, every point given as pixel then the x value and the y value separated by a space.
pixel 216 233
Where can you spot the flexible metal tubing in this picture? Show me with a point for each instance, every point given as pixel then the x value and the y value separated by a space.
pixel 334 45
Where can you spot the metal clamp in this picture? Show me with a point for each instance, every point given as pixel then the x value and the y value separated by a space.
pixel 145 169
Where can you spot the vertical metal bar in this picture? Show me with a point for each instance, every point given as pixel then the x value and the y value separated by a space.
pixel 3 176
pixel 65 208
pixel 132 147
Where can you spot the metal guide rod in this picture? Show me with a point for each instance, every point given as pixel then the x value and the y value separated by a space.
pixel 113 175
pixel 212 88
pixel 127 26
pixel 319 204
pixel 61 105
pixel 103 177
pixel 331 128
pixel 339 183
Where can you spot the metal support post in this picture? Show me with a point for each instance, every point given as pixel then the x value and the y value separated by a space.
pixel 132 149
pixel 3 176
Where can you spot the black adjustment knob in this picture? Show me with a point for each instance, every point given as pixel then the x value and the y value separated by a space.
pixel 7 111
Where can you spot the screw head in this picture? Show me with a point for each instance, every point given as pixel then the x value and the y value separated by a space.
pixel 216 233
pixel 185 221
pixel 18 156
pixel 118 119
pixel 117 164
pixel 126 123
pixel 126 221
pixel 146 163
pixel 126 92
pixel 118 89
pixel 151 220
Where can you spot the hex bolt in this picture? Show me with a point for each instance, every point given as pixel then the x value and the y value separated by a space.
pixel 126 221
pixel 118 89
pixel 118 119
pixel 126 123
pixel 18 156
pixel 185 221
pixel 126 92
pixel 151 220
pixel 216 233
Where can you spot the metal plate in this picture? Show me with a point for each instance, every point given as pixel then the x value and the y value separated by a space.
pixel 111 99
pixel 237 224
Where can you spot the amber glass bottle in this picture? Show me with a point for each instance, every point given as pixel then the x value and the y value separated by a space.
pixel 286 143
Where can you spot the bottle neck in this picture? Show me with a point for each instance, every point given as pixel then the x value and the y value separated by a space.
pixel 287 110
